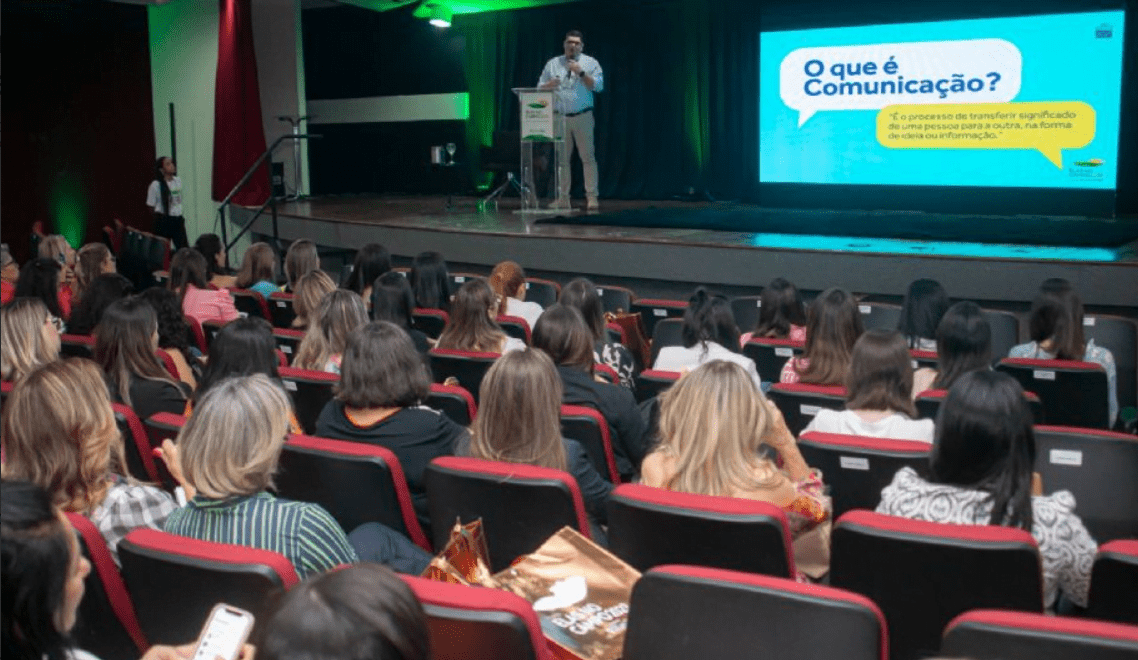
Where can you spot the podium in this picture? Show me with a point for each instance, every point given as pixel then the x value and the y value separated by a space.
pixel 542 142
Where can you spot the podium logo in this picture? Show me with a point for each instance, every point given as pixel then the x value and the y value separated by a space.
pixel 539 104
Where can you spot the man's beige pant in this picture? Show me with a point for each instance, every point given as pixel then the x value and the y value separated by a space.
pixel 579 131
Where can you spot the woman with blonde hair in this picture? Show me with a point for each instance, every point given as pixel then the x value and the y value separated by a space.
pixel 833 324
pixel 519 421
pixel 712 423
pixel 258 270
pixel 308 292
pixel 125 343
pixel 322 348
pixel 59 432
pixel 472 326
pixel 28 338
pixel 300 260
pixel 93 260
pixel 508 281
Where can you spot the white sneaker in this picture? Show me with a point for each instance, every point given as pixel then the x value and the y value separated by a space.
pixel 593 204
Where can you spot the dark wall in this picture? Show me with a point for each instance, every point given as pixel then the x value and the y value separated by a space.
pixel 77 117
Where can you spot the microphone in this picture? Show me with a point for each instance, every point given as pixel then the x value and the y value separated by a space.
pixel 569 73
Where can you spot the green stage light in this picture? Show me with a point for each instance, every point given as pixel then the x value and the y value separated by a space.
pixel 440 15
pixel 69 209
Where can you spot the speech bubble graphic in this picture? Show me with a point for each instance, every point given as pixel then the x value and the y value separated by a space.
pixel 1046 126
pixel 873 76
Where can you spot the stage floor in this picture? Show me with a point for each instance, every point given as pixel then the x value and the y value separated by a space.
pixel 663 248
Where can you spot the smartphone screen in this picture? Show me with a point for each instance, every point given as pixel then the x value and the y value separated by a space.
pixel 224 633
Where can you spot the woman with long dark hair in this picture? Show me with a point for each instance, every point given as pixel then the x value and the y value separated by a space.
pixel 472 326
pixel 833 324
pixel 925 304
pixel 980 473
pixel 392 300
pixel 164 197
pixel 582 295
pixel 188 279
pixel 98 295
pixel 964 343
pixel 372 260
pixel 218 272
pixel 39 278
pixel 709 333
pixel 174 333
pixel 781 313
pixel 430 281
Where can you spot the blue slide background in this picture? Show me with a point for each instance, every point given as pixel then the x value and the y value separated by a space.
pixel 1062 61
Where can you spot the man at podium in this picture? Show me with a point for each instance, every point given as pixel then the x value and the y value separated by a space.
pixel 574 77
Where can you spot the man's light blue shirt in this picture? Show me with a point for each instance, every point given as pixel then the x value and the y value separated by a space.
pixel 572 96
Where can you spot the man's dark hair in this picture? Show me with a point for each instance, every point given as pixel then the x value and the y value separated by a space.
pixel 575 33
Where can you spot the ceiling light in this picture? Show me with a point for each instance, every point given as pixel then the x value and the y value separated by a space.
pixel 440 15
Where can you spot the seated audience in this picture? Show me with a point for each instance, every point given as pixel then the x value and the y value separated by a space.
pixel 472 326
pixel 561 334
pixel 28 338
pixel 709 333
pixel 300 260
pixel 8 275
pixel 879 393
pixel 712 422
pixel 60 433
pixel 508 281
pixel 199 302
pixel 44 575
pixel 93 260
pixel 217 262
pixel 392 300
pixel 258 270
pixel 430 281
pixel 361 612
pixel 229 451
pixel 582 295
pixel 519 421
pixel 833 324
pixel 323 345
pixel 781 314
pixel 125 344
pixel 379 401
pixel 964 343
pixel 1056 331
pixel 372 260
pixel 56 247
pixel 309 292
pixel 98 295
pixel 924 305
pixel 174 334
pixel 981 463
pixel 40 278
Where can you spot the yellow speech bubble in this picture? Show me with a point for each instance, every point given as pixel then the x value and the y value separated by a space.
pixel 1046 126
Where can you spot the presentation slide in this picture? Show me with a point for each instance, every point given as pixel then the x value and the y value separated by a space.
pixel 1029 101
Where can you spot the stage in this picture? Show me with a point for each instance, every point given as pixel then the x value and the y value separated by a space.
pixel 664 248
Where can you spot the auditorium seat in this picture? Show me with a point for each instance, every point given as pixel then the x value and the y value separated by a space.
pixel 1005 330
pixel 877 315
pixel 1100 468
pixel 649 527
pixel 198 333
pixel 1114 582
pixel 468 367
pixel 136 444
pixel 923 359
pixel 799 402
pixel 356 482
pixel 615 334
pixel 106 624
pixel 429 321
pixel 250 303
pixel 454 402
pixel 281 310
pixel 515 326
pixel 288 341
pixel 922 574
pixel 746 310
pixel 77 346
pixel 520 505
pixel 607 373
pixel 175 581
pixel 211 327
pixel 160 427
pixel 5 390
pixel 686 612
pixel 654 309
pixel 667 332
pixel 1073 393
pixel 770 355
pixel 458 279
pixel 542 292
pixel 615 299
pixel 310 392
pixel 167 362
pixel 475 623
pixel 588 427
pixel 928 404
pixel 1120 336
pixel 999 635
pixel 856 468
pixel 651 382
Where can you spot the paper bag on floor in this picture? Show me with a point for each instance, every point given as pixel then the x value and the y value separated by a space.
pixel 580 592
pixel 465 559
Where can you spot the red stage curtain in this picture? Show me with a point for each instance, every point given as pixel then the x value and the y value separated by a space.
pixel 238 135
